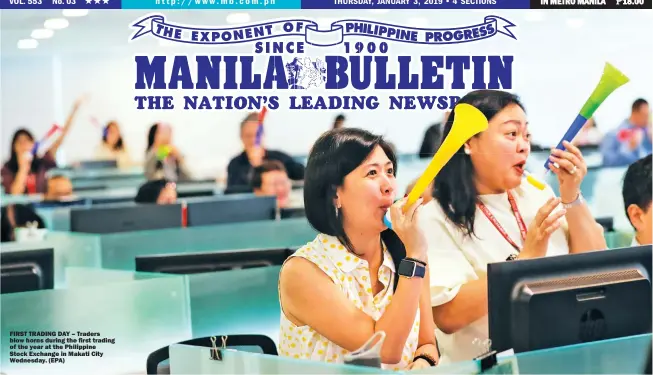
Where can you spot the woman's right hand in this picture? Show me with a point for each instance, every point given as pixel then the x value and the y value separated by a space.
pixel 24 162
pixel 406 225
pixel 540 230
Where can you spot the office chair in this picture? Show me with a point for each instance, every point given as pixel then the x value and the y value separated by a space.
pixel 155 358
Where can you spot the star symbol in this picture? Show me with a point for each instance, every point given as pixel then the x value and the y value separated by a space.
pixel 106 1
pixel 97 1
pixel 88 1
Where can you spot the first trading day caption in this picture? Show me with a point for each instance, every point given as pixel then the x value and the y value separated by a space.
pixel 290 55
pixel 55 347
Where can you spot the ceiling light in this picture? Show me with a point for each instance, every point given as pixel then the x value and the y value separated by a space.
pixel 74 12
pixel 238 18
pixel 56 23
pixel 42 33
pixel 27 43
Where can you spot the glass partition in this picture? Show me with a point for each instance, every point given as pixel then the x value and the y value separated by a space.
pixel 120 249
pixel 236 302
pixel 70 250
pixel 195 360
pixel 625 355
pixel 105 321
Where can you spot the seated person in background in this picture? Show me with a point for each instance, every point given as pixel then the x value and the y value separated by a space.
pixel 113 147
pixel 59 188
pixel 24 173
pixel 239 170
pixel 427 195
pixel 637 199
pixel 157 191
pixel 163 160
pixel 339 122
pixel 18 216
pixel 631 140
pixel 432 139
pixel 350 282
pixel 589 134
pixel 484 211
pixel 270 178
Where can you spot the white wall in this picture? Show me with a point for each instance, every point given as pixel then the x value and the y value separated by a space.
pixel 557 64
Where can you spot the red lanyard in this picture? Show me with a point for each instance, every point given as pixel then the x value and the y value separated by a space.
pixel 515 211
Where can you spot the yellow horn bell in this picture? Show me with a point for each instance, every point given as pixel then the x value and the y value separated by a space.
pixel 468 121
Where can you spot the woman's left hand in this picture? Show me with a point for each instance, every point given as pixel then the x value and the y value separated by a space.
pixel 571 170
pixel 418 364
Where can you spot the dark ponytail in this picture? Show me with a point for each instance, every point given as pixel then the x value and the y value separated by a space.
pixel 454 187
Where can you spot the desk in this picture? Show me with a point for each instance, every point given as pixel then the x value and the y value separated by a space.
pixel 619 356
pixel 105 174
pixel 194 360
pixel 142 312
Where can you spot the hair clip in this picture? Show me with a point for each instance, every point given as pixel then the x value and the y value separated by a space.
pixel 216 354
pixel 487 357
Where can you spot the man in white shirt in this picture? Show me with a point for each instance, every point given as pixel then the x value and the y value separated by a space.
pixel 637 199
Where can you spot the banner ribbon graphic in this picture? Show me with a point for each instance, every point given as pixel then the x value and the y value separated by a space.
pixel 156 25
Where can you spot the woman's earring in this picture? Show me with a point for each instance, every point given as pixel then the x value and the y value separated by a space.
pixel 336 211
pixel 467 151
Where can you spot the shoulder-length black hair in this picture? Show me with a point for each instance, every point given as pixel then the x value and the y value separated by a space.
pixel 12 163
pixel 119 145
pixel 151 135
pixel 454 188
pixel 334 155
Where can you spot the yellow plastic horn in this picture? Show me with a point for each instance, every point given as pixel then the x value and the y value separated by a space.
pixel 468 121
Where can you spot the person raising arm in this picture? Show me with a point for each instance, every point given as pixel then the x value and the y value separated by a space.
pixel 484 211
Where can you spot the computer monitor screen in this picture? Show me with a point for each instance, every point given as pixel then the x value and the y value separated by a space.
pixel 60 203
pixel 214 261
pixel 98 164
pixel 26 270
pixel 128 218
pixel 292 213
pixel 231 209
pixel 569 299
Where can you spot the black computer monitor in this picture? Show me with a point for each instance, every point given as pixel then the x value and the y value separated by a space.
pixel 98 164
pixel 607 223
pixel 214 261
pixel 231 209
pixel 569 299
pixel 26 270
pixel 127 218
pixel 106 200
pixel 292 213
pixel 196 188
pixel 60 203
pixel 92 186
